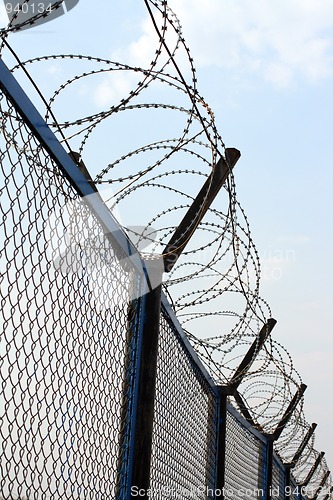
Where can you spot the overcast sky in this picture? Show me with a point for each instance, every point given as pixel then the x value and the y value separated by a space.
pixel 266 69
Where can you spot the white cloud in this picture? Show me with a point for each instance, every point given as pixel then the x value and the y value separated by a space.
pixel 279 39
pixel 53 69
pixel 112 89
pixel 143 50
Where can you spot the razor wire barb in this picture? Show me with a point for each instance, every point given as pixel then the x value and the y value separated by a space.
pixel 215 285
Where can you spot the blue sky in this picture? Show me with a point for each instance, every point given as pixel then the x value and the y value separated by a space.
pixel 266 69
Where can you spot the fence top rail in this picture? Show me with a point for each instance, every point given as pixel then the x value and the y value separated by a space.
pixel 112 230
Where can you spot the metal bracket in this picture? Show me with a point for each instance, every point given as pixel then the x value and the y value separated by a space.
pixel 199 207
pixel 302 446
pixel 313 469
pixel 287 415
pixel 252 353
pixel 322 484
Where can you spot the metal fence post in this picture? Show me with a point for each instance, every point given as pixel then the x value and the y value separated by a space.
pixel 221 441
pixel 287 473
pixel 145 383
pixel 269 467
pixel 128 397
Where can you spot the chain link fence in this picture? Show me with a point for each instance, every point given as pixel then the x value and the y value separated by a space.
pixel 65 323
pixel 185 422
pixel 72 315
pixel 245 473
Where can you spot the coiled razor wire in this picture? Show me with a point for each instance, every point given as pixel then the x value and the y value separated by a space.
pixel 214 287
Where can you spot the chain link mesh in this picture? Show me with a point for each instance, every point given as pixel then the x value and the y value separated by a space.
pixel 65 322
pixel 244 461
pixel 69 326
pixel 185 423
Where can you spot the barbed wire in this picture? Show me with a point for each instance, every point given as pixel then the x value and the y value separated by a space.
pixel 215 285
